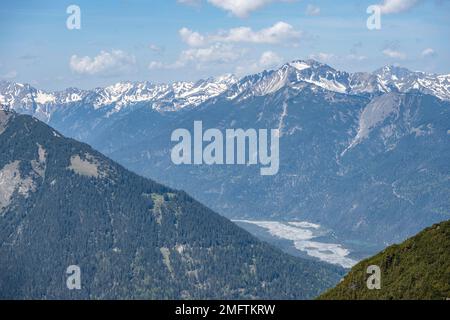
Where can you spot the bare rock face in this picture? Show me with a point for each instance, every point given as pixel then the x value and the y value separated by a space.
pixel 4 118
pixel 11 181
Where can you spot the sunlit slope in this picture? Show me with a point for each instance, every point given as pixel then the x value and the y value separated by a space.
pixel 419 268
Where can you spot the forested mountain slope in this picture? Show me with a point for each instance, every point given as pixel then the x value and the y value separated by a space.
pixel 63 203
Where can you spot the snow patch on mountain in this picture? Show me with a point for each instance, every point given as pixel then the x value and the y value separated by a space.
pixel 299 65
pixel 44 98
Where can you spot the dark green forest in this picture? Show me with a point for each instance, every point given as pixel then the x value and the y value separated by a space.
pixel 66 204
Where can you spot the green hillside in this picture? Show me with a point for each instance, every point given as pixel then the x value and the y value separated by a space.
pixel 419 268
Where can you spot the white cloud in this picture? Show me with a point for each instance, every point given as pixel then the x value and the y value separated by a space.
pixel 154 47
pixel 397 6
pixel 312 10
pixel 9 75
pixel 221 48
pixel 193 39
pixel 217 53
pixel 268 59
pixel 201 57
pixel 278 33
pixel 356 57
pixel 322 56
pixel 155 65
pixel 190 2
pixel 394 54
pixel 428 52
pixel 113 62
pixel 240 8
pixel 328 58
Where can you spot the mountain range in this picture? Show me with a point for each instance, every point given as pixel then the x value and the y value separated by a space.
pixel 41 104
pixel 365 155
pixel 178 95
pixel 64 204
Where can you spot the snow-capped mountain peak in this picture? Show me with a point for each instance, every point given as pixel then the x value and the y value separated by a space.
pixel 292 74
pixel 178 95
pixel 395 78
pixel 299 65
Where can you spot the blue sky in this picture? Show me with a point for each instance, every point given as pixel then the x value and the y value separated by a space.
pixel 170 40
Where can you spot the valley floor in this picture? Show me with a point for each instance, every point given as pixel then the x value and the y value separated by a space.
pixel 305 239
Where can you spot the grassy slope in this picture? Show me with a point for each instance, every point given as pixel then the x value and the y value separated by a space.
pixel 419 268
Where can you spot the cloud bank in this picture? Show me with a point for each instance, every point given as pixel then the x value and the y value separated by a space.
pixel 278 33
pixel 397 6
pixel 105 63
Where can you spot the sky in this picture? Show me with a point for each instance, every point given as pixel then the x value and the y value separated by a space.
pixel 164 41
